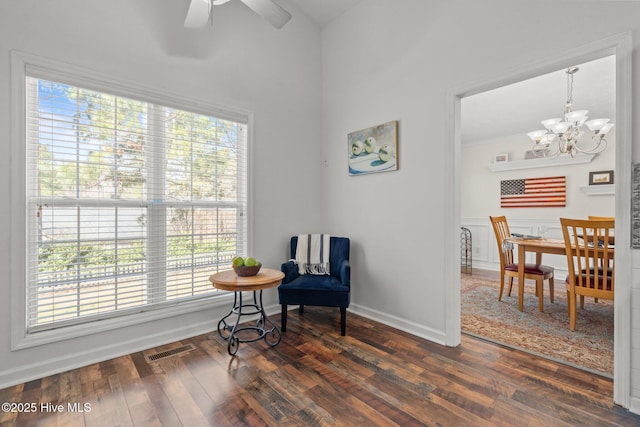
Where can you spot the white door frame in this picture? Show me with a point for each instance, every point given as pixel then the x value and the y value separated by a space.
pixel 621 46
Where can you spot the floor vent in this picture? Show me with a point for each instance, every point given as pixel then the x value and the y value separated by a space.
pixel 169 353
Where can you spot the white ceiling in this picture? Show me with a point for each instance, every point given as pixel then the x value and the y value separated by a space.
pixel 518 108
pixel 324 11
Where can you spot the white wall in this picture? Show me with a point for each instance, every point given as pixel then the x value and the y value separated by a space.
pixel 243 62
pixel 398 60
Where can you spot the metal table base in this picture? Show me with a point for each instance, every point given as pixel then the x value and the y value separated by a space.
pixel 264 328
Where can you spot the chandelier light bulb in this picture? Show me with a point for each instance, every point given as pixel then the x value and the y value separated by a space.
pixel 548 139
pixel 577 118
pixel 605 129
pixel 561 128
pixel 597 124
pixel 537 135
pixel 550 123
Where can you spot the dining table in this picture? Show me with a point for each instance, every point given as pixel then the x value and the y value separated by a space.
pixel 539 246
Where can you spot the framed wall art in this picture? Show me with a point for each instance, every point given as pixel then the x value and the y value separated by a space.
pixel 600 177
pixel 374 149
pixel 502 157
pixel 545 192
pixel 540 154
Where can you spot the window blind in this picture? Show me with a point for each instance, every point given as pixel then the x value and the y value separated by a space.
pixel 131 204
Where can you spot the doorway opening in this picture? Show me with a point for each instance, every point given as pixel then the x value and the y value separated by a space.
pixel 494 126
pixel 621 47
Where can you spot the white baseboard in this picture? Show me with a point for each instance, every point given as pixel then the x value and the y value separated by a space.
pixel 485 265
pixel 52 366
pixel 393 321
pixel 399 323
pixel 634 405
pixel 49 366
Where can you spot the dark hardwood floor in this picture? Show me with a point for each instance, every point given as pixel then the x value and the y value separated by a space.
pixel 376 375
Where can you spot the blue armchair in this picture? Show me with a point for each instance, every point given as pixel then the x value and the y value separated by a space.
pixel 331 290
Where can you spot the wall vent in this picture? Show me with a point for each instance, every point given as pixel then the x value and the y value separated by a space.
pixel 169 353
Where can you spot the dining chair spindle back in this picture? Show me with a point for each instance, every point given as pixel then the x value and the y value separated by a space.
pixel 590 260
pixel 509 268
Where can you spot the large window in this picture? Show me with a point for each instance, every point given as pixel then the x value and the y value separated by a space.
pixel 131 205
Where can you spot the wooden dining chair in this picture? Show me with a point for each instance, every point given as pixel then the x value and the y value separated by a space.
pixel 509 268
pixel 591 261
pixel 601 218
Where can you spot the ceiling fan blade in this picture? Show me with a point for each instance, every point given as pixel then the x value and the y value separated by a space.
pixel 198 14
pixel 270 11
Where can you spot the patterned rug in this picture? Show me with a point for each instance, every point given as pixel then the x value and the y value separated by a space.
pixel 547 334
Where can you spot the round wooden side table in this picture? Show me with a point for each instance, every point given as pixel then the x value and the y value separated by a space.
pixel 264 328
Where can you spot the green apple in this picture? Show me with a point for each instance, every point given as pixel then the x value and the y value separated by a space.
pixel 370 144
pixel 385 153
pixel 357 147
pixel 250 262
pixel 238 261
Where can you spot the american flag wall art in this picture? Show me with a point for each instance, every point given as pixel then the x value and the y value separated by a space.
pixel 534 192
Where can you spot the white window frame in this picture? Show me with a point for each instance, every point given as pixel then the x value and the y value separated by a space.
pixel 76 76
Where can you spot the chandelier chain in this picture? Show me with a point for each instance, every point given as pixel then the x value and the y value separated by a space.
pixel 569 93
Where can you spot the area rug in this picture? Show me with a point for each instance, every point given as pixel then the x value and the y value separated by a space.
pixel 547 334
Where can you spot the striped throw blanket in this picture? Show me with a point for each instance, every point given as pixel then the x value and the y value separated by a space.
pixel 312 253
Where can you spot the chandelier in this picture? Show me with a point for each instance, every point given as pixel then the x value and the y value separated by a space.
pixel 562 135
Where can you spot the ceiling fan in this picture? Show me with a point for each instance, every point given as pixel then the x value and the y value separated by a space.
pixel 200 12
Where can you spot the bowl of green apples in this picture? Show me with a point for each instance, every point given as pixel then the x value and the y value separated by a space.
pixel 245 267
